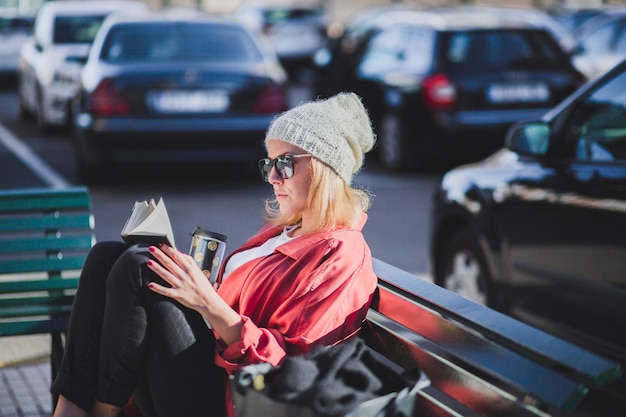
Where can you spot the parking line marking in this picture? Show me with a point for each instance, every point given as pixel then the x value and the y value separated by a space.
pixel 32 161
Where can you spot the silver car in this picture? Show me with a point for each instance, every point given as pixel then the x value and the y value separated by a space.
pixel 14 31
pixel 51 59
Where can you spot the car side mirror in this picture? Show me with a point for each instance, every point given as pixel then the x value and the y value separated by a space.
pixel 529 138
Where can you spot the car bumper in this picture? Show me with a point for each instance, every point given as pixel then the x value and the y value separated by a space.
pixel 487 121
pixel 174 140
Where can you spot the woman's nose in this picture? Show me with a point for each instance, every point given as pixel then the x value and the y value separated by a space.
pixel 274 177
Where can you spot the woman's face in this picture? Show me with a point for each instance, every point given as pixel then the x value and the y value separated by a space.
pixel 292 193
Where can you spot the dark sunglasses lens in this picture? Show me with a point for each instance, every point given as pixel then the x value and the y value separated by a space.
pixel 284 167
pixel 283 164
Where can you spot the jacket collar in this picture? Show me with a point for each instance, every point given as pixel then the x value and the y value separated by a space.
pixel 295 246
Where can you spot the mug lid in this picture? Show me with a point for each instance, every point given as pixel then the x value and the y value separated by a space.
pixel 206 233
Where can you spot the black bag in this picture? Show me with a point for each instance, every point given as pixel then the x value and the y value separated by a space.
pixel 347 380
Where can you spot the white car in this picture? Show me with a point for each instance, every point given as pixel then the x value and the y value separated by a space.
pixel 51 59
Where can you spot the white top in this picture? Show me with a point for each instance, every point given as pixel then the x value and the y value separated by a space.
pixel 265 249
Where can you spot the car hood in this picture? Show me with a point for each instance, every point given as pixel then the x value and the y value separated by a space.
pixel 467 185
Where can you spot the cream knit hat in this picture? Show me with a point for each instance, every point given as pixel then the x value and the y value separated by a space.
pixel 336 131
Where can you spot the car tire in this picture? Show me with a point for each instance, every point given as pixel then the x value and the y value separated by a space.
pixel 393 150
pixel 462 268
pixel 24 112
pixel 42 123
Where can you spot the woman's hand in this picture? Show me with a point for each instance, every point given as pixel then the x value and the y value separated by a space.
pixel 189 286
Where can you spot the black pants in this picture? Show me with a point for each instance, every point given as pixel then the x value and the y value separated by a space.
pixel 126 340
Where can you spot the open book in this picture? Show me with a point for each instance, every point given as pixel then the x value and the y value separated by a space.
pixel 148 223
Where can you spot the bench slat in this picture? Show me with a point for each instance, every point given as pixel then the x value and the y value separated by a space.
pixel 43 244
pixel 48 222
pixel 44 199
pixel 44 308
pixel 13 266
pixel 66 283
pixel 45 325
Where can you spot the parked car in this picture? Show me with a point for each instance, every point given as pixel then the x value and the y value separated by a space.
pixel 173 88
pixel 15 28
pixel 446 84
pixel 537 229
pixel 51 59
pixel 572 19
pixel 600 42
pixel 295 32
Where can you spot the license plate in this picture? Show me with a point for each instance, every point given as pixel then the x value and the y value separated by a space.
pixel 188 101
pixel 514 93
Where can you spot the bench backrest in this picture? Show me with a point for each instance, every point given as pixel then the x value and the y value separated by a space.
pixel 45 235
pixel 479 361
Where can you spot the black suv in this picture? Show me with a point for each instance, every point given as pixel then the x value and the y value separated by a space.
pixel 446 84
pixel 538 229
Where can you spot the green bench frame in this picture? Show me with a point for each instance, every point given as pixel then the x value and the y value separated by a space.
pixel 45 235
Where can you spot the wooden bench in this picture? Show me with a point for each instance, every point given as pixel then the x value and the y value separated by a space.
pixel 45 235
pixel 481 362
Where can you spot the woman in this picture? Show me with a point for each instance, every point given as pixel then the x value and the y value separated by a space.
pixel 147 323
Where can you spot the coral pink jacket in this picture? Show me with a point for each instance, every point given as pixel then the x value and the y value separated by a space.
pixel 314 290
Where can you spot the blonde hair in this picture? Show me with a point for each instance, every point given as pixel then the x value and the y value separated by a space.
pixel 336 203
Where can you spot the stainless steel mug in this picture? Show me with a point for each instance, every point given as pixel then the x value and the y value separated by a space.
pixel 207 250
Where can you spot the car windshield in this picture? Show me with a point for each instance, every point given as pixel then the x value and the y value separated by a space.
pixel 501 50
pixel 176 42
pixel 278 15
pixel 15 24
pixel 76 29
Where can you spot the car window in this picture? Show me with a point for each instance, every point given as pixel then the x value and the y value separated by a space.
pixel 168 43
pixel 419 50
pixel 280 15
pixel 76 29
pixel 15 24
pixel 500 49
pixel 398 47
pixel 599 41
pixel 384 51
pixel 601 123
pixel 620 41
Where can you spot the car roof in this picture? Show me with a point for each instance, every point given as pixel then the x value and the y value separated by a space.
pixel 81 7
pixel 457 18
pixel 601 18
pixel 165 16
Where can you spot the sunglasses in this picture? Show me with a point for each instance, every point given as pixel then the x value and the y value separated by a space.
pixel 283 164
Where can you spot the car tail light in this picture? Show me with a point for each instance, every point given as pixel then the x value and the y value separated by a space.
pixel 438 91
pixel 271 100
pixel 106 100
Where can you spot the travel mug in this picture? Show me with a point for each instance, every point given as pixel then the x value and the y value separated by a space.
pixel 207 250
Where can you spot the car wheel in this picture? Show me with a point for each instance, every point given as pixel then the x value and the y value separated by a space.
pixel 42 123
pixel 24 112
pixel 393 151
pixel 462 268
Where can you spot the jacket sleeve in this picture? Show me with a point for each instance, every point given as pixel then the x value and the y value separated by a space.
pixel 329 305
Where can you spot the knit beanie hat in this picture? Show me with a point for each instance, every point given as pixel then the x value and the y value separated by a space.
pixel 337 131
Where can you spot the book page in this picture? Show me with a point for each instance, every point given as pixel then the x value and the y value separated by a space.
pixel 141 210
pixel 149 221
